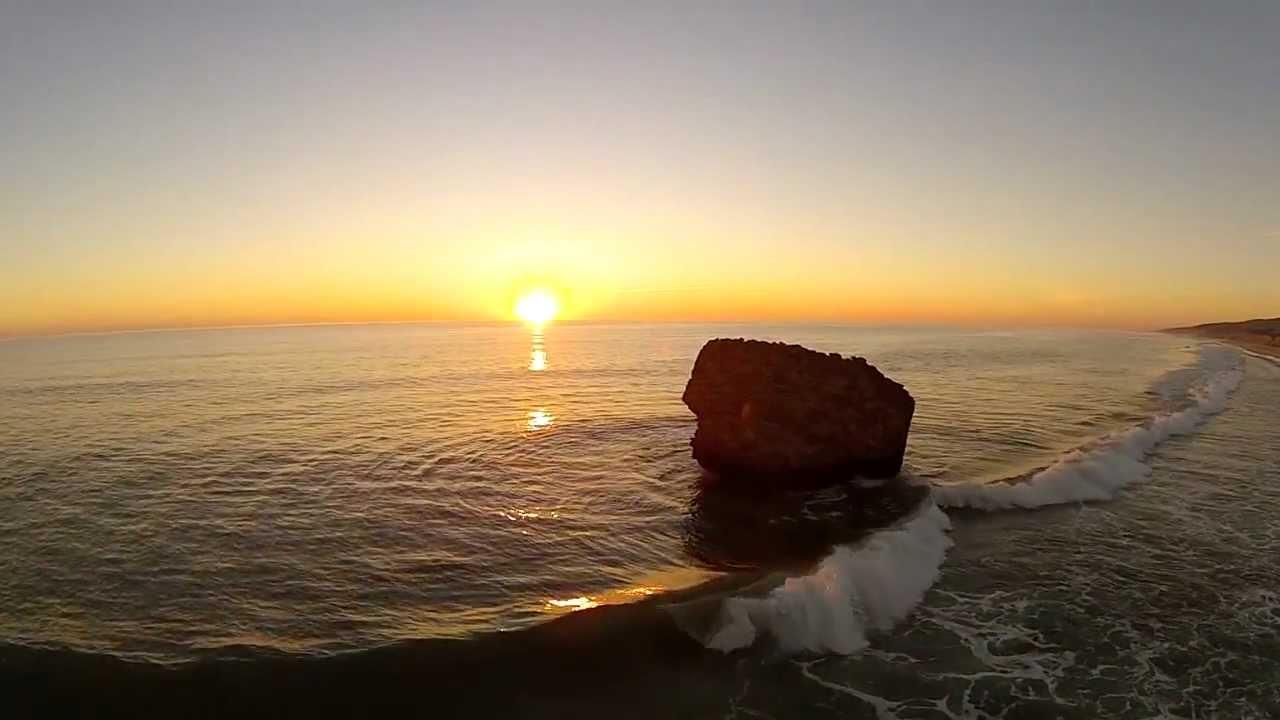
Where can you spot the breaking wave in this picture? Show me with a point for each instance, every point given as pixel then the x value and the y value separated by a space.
pixel 1098 471
pixel 858 588
pixel 873 585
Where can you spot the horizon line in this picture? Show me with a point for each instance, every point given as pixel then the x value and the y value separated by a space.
pixel 581 322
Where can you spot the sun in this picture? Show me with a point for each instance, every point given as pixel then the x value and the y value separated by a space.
pixel 537 307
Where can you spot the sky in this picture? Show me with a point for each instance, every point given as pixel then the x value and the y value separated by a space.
pixel 177 164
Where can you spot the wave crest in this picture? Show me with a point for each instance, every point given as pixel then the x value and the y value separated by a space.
pixel 858 588
pixel 1100 470
pixel 873 585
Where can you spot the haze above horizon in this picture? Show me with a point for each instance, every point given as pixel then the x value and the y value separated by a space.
pixel 996 163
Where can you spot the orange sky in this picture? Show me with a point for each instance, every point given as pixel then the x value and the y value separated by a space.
pixel 880 164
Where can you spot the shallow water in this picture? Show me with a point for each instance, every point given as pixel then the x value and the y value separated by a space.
pixel 336 488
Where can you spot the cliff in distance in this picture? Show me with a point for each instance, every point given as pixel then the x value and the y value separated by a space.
pixel 1262 334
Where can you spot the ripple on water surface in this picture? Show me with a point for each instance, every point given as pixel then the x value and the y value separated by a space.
pixel 319 489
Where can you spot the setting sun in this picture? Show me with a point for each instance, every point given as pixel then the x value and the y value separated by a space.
pixel 537 307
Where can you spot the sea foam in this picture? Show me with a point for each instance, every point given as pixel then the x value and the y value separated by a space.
pixel 868 586
pixel 873 585
pixel 1098 471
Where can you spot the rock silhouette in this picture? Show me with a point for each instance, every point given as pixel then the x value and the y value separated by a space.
pixel 773 415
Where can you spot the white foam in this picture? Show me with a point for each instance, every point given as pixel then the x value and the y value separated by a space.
pixel 1100 470
pixel 1272 361
pixel 873 585
pixel 858 588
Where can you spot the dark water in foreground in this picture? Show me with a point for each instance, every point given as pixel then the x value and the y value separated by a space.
pixel 283 495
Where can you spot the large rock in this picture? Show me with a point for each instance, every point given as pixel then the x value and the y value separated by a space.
pixel 781 415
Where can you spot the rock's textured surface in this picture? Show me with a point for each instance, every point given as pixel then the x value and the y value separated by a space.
pixel 779 415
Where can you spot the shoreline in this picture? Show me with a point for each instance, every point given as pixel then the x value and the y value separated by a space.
pixel 565 666
pixel 1260 336
pixel 1269 351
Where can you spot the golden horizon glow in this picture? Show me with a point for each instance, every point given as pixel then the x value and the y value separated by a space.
pixel 640 175
pixel 537 307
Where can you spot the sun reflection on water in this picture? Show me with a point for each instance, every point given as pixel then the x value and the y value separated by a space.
pixel 540 420
pixel 577 603
pixel 611 597
pixel 538 354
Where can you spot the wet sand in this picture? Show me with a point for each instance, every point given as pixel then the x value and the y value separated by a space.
pixel 1244 343
pixel 1271 351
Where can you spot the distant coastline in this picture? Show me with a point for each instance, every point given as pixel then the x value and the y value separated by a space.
pixel 1261 335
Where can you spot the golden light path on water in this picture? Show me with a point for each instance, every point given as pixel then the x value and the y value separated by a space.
pixel 540 420
pixel 538 353
pixel 612 597
pixel 537 308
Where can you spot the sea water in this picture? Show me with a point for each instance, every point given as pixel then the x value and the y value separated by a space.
pixel 1092 531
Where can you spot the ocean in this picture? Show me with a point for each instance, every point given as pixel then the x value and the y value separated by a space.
pixel 475 521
